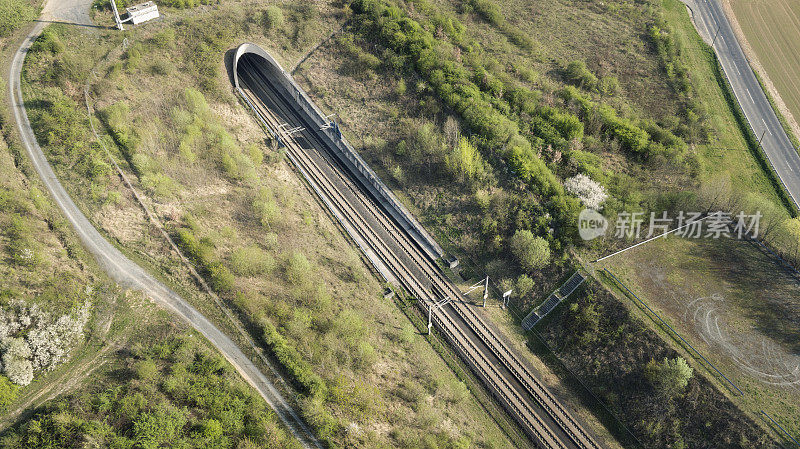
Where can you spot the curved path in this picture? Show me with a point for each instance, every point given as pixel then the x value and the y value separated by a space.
pixel 130 275
pixel 714 27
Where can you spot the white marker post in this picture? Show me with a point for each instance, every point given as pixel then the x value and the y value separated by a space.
pixel 486 291
pixel 506 297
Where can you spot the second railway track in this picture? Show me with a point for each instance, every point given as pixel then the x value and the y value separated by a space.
pixel 526 399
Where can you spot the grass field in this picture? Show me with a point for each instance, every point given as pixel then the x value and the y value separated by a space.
pixel 735 304
pixel 772 30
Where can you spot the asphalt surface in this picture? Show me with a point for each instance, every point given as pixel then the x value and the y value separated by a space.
pixel 120 268
pixel 710 21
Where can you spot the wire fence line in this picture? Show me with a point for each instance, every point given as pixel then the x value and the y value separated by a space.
pixel 780 427
pixel 741 393
pixel 661 320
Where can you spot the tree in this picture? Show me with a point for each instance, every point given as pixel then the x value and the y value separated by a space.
pixel 524 285
pixel 532 252
pixel 670 376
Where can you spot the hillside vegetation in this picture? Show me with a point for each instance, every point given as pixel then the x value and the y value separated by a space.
pixel 496 123
pixel 176 393
pixel 363 375
pixel 497 139
pixel 82 361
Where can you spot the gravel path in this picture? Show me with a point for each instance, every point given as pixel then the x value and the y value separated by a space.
pixel 120 268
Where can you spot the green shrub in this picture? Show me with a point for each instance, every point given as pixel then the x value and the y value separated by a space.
pixel 489 10
pixel 221 279
pixel 251 261
pixel 465 162
pixel 145 370
pixel 272 17
pixel 8 393
pixel 532 252
pixel 609 85
pixel 13 14
pixel 578 74
pixel 265 207
pixel 48 41
pixel 297 269
pixel 300 371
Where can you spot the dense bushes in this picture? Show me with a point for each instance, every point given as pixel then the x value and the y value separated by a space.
pixel 532 252
pixel 485 107
pixel 272 18
pixel 465 162
pixel 13 14
pixel 578 74
pixel 664 404
pixel 693 127
pixel 251 261
pixel 300 371
pixel 631 136
pixel 186 397
pixel 202 252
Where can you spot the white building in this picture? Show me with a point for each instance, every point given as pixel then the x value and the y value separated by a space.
pixel 142 13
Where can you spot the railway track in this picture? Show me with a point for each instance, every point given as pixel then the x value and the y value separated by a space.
pixel 526 399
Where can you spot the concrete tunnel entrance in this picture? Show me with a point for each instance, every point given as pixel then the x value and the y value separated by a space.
pixel 253 56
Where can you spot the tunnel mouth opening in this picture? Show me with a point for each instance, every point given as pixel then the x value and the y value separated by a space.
pixel 258 66
pixel 252 54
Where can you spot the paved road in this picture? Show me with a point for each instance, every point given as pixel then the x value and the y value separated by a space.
pixel 710 17
pixel 127 273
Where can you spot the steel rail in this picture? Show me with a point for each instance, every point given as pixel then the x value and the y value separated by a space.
pixel 321 182
pixel 439 286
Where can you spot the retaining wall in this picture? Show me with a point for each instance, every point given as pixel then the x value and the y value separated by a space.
pixel 295 95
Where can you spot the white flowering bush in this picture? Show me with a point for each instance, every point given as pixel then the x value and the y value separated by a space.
pixel 50 344
pixel 46 342
pixel 591 193
pixel 16 361
pixel 26 256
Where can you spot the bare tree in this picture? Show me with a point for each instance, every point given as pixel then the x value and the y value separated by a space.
pixel 452 132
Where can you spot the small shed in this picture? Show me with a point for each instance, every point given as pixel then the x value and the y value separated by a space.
pixel 142 12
